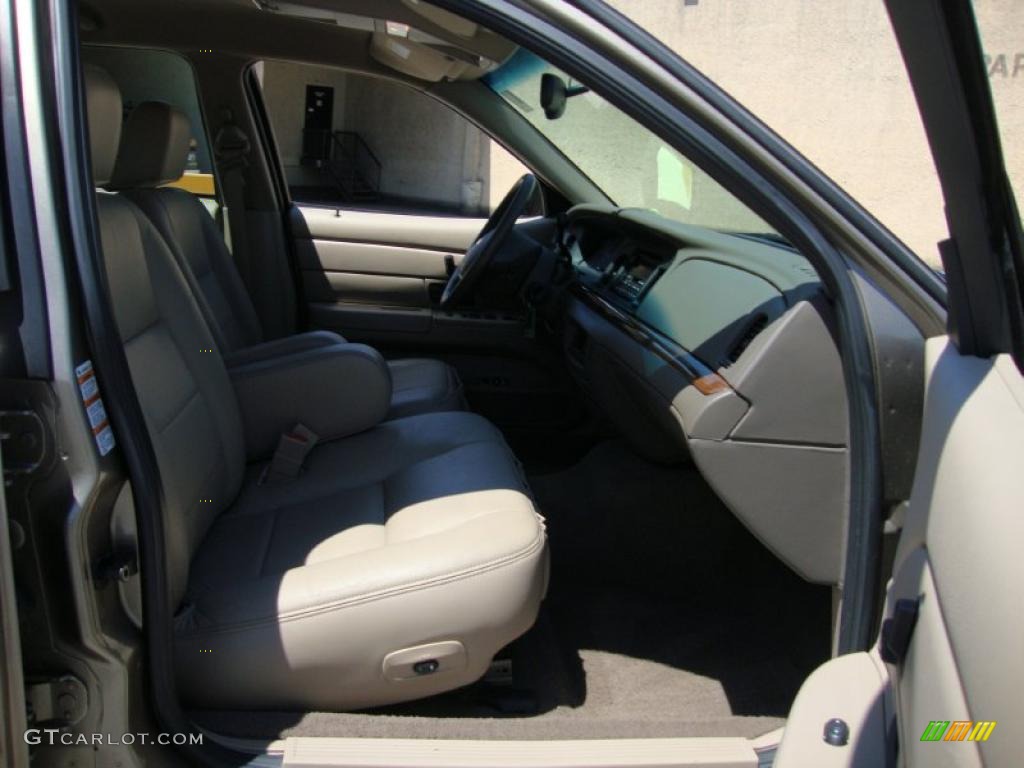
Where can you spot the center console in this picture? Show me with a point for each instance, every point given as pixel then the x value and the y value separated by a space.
pixel 634 275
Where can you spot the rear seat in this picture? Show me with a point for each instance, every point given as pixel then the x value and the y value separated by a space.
pixel 153 151
pixel 394 567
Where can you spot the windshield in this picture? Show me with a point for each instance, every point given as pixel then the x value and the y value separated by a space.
pixel 631 165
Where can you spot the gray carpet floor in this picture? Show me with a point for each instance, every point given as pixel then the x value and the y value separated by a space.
pixel 664 618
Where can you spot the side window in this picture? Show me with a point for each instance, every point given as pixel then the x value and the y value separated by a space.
pixel 149 75
pixel 365 142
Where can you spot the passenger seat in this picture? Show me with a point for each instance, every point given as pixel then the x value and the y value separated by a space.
pixel 394 566
pixel 153 151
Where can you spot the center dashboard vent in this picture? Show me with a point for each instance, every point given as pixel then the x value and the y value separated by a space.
pixel 758 324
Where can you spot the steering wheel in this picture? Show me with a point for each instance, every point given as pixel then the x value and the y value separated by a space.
pixel 490 240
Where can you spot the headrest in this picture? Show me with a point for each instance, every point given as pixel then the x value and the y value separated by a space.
pixel 154 147
pixel 103 110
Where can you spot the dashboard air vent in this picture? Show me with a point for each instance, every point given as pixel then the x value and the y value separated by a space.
pixel 759 324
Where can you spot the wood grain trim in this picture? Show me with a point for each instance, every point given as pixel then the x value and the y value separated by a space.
pixel 704 380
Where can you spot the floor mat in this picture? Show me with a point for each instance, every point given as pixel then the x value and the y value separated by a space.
pixel 665 617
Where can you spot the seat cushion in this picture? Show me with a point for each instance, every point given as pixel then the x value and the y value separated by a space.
pixel 419 532
pixel 422 385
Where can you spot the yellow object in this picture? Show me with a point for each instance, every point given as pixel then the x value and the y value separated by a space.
pixel 196 183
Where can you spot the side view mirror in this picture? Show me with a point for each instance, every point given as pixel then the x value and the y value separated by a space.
pixel 554 93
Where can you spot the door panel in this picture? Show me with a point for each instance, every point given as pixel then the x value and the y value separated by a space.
pixel 959 558
pixel 12 683
pixel 438 233
pixel 370 323
pixel 382 291
pixel 372 275
pixel 371 259
pixel 959 562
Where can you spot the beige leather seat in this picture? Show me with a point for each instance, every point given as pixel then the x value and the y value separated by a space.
pixel 405 555
pixel 153 151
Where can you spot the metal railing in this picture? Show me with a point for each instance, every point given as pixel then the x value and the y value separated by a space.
pixel 345 160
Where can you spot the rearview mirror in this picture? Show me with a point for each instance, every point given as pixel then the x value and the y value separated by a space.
pixel 554 93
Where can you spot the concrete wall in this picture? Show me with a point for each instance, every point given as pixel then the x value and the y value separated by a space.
pixel 422 145
pixel 1001 23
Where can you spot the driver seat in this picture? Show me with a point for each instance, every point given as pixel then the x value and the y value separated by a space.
pixel 153 151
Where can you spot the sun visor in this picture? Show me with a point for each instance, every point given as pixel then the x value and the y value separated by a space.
pixel 414 59
pixel 444 19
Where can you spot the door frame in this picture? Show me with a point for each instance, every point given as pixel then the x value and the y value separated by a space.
pixel 984 255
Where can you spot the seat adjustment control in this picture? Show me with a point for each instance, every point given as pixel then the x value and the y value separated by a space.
pixel 421 661
pixel 427 667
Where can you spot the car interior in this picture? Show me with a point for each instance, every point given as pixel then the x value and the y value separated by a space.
pixel 561 467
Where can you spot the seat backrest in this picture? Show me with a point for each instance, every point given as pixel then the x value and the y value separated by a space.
pixel 181 382
pixel 154 150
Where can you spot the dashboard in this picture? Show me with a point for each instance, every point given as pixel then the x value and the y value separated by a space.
pixel 717 349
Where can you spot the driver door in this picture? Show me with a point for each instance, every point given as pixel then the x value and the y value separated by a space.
pixel 376 275
pixel 389 188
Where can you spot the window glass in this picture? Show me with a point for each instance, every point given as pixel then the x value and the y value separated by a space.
pixel 356 141
pixel 149 75
pixel 631 165
pixel 827 76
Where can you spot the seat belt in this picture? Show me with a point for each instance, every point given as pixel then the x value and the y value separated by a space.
pixel 231 148
pixel 292 449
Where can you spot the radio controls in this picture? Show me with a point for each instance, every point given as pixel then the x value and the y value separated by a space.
pixel 629 287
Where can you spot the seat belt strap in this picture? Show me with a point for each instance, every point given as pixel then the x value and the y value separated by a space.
pixel 292 449
pixel 231 148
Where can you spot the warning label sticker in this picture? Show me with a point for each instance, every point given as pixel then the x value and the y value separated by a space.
pixel 94 409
